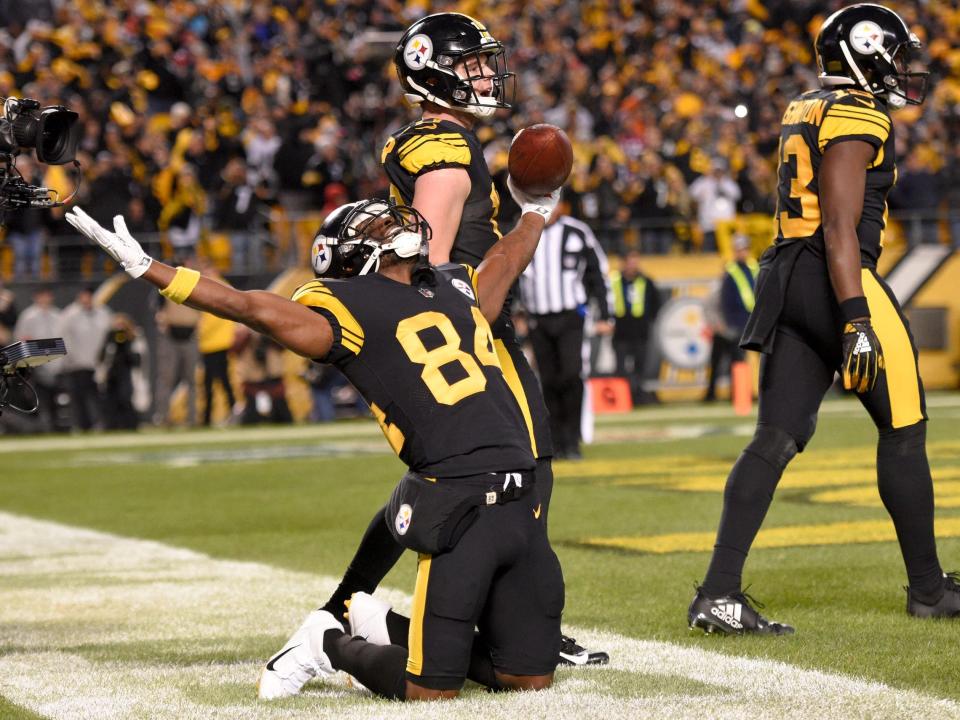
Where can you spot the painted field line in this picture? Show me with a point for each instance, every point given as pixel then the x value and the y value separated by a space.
pixel 67 590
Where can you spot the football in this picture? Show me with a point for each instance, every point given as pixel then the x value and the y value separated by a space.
pixel 541 159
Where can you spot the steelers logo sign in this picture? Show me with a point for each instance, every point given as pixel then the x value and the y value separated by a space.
pixel 866 37
pixel 684 333
pixel 417 51
pixel 402 521
pixel 320 256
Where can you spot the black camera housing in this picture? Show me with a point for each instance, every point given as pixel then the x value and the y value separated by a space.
pixel 30 353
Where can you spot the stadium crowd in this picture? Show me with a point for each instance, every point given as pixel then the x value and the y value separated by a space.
pixel 200 119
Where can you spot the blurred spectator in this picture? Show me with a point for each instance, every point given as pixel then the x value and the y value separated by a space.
pixel 236 212
pixel 121 355
pixel 183 212
pixel 264 391
pixel 736 300
pixel 83 327
pixel 602 202
pixel 327 387
pixel 716 196
pixel 177 358
pixel 215 338
pixel 636 303
pixel 568 270
pixel 917 194
pixel 8 314
pixel 25 228
pixel 41 319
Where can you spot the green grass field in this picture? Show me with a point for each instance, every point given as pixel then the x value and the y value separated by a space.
pixel 100 624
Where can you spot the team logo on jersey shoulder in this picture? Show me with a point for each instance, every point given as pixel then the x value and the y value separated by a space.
pixel 464 288
pixel 866 37
pixel 418 50
pixel 403 519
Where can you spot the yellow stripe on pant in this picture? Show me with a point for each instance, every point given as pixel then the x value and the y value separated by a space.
pixel 903 384
pixel 516 387
pixel 415 638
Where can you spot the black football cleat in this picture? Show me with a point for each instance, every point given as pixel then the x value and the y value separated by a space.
pixel 732 614
pixel 573 654
pixel 947 606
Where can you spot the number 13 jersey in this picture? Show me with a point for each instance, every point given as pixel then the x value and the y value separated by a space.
pixel 424 360
pixel 811 124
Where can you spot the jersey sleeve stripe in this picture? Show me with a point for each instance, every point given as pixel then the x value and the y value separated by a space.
pixel 351 332
pixel 838 116
pixel 434 153
pixel 834 128
pixel 412 143
pixel 472 274
pixel 866 114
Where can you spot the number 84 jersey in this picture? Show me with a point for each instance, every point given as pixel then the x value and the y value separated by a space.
pixel 811 124
pixel 424 359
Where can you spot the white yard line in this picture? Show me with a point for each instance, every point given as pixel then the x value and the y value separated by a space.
pixel 65 588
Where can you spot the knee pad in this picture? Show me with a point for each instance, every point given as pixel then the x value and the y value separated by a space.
pixel 774 446
pixel 903 441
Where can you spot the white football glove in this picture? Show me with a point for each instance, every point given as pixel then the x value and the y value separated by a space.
pixel 543 205
pixel 120 244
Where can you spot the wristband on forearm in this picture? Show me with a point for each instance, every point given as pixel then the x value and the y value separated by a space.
pixel 854 308
pixel 182 285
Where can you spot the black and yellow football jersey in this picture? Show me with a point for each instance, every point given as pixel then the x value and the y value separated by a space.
pixel 434 144
pixel 425 361
pixel 812 123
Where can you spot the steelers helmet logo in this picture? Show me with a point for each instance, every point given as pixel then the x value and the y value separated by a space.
pixel 866 37
pixel 417 51
pixel 402 521
pixel 320 256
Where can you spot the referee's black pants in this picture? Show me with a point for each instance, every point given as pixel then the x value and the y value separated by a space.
pixel 557 340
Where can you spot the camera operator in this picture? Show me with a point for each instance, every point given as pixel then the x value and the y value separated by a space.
pixel 25 227
pixel 42 320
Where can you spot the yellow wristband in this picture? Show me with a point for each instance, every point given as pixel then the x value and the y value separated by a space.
pixel 182 285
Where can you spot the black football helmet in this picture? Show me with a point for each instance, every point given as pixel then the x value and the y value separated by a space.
pixel 354 237
pixel 872 47
pixel 429 53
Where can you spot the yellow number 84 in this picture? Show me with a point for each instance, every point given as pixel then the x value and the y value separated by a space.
pixel 447 393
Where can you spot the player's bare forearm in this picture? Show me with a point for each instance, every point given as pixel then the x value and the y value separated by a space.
pixel 503 263
pixel 843 174
pixel 439 196
pixel 292 325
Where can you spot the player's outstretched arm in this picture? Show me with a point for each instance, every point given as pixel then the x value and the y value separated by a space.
pixel 503 263
pixel 294 326
pixel 843 177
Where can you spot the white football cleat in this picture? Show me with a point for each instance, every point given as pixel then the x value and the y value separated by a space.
pixel 368 618
pixel 301 658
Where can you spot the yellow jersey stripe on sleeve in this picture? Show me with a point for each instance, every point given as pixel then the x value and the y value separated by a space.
pixel 417 140
pixel 433 152
pixel 836 127
pixel 472 273
pixel 879 122
pixel 863 112
pixel 315 294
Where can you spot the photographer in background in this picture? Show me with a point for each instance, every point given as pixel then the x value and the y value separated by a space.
pixel 8 314
pixel 39 320
pixel 83 327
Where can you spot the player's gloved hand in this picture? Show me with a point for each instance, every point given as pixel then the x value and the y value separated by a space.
pixel 542 205
pixel 120 244
pixel 862 356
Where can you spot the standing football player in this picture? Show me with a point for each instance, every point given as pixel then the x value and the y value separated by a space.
pixel 416 343
pixel 822 308
pixel 455 70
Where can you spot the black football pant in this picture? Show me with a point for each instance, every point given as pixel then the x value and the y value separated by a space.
pixel 216 367
pixel 557 341
pixel 793 381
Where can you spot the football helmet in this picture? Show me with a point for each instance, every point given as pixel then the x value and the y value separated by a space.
pixel 354 237
pixel 432 49
pixel 872 47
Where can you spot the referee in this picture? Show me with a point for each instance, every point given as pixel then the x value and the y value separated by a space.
pixel 568 269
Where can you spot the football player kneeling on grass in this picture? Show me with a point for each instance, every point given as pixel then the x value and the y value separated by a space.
pixel 415 341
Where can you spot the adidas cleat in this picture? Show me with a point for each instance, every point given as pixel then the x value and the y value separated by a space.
pixel 947 606
pixel 367 616
pixel 299 660
pixel 573 654
pixel 731 615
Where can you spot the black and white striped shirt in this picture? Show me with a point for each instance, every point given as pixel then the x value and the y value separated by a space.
pixel 568 268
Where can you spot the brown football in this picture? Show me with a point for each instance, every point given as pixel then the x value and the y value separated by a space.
pixel 541 159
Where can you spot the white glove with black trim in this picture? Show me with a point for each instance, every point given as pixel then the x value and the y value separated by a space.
pixel 543 205
pixel 119 244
